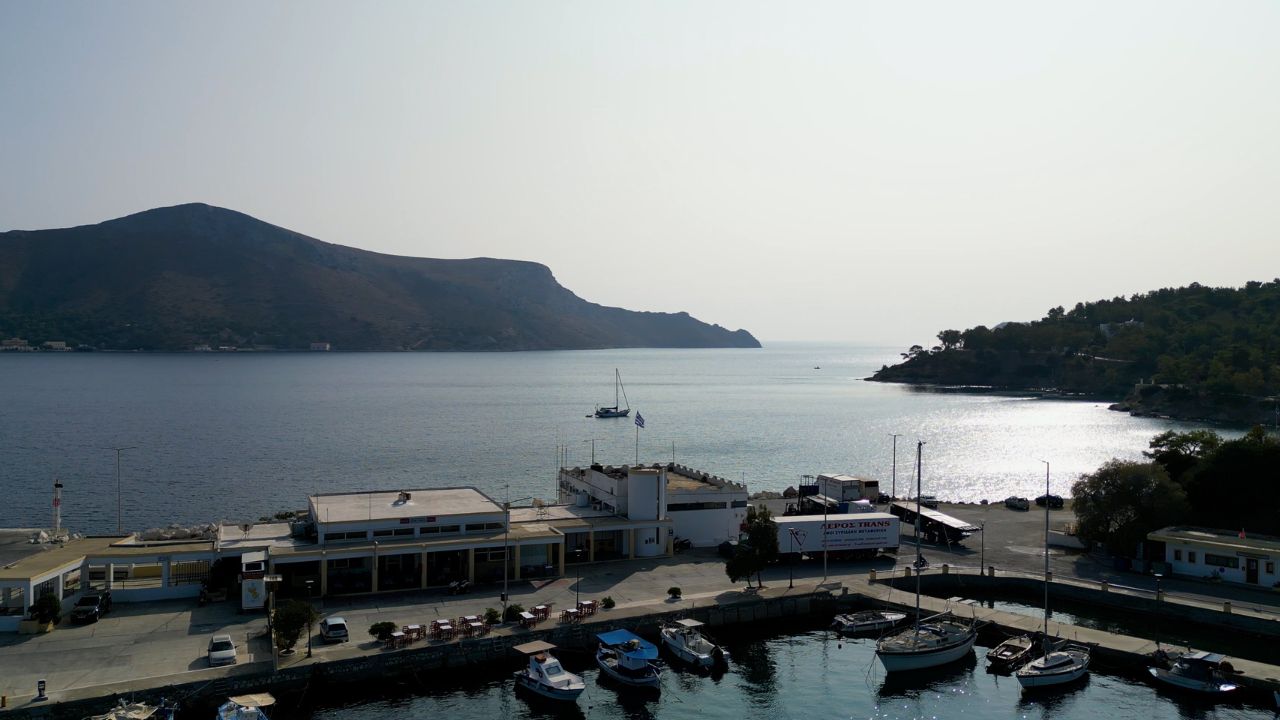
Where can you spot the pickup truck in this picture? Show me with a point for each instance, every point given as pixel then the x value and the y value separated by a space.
pixel 91 607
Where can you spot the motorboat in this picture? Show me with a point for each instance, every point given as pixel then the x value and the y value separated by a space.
pixel 1060 663
pixel 1011 653
pixel 545 675
pixel 687 642
pixel 1058 666
pixel 934 641
pixel 617 410
pixel 628 659
pixel 128 710
pixel 246 707
pixel 1201 672
pixel 867 622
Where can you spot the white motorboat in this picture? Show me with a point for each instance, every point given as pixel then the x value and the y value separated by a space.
pixel 625 657
pixel 1059 666
pixel 545 675
pixel 867 622
pixel 1200 672
pixel 1062 663
pixel 246 707
pixel 931 642
pixel 137 711
pixel 686 641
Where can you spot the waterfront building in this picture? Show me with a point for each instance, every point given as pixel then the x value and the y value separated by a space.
pixel 1229 555
pixel 700 507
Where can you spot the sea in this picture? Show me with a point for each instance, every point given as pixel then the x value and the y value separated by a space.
pixel 238 436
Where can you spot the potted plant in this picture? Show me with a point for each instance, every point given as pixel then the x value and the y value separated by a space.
pixel 513 612
pixel 607 602
pixel 674 592
pixel 492 616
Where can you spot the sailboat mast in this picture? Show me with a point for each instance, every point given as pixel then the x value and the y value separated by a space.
pixel 617 379
pixel 1046 549
pixel 919 464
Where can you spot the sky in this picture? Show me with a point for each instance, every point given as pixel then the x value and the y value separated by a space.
pixel 845 171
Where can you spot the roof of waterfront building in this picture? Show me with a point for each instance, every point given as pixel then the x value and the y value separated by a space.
pixel 392 504
pixel 50 556
pixel 1219 537
pixel 679 477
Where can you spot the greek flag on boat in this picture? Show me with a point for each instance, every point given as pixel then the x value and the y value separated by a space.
pixel 639 419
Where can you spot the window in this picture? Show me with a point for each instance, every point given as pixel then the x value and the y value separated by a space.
pixel 483 527
pixel 1177 555
pixel 442 530
pixel 678 507
pixel 1191 556
pixel 398 532
pixel 334 536
pixel 1271 567
pixel 1221 561
pixel 739 503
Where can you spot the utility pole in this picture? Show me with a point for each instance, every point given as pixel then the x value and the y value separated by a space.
pixel 119 493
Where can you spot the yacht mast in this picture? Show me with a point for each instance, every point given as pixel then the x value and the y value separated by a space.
pixel 918 564
pixel 1046 549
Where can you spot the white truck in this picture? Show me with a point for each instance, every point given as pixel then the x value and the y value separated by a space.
pixel 856 535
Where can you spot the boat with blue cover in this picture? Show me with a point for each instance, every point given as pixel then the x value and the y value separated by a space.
pixel 628 658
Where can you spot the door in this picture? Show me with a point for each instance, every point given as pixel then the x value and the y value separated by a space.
pixel 1251 571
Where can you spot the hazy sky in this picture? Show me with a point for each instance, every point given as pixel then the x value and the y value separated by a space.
pixel 846 171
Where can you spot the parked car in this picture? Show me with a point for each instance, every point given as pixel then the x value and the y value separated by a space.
pixel 222 651
pixel 333 630
pixel 1013 502
pixel 1055 501
pixel 929 501
pixel 91 607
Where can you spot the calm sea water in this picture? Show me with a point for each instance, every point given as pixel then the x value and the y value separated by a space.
pixel 812 674
pixel 236 436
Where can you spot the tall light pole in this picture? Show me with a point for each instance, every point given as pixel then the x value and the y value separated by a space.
pixel 310 612
pixel 506 545
pixel 893 491
pixel 791 561
pixel 119 494
pixel 593 448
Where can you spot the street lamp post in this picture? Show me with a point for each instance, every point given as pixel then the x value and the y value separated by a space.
pixel 982 553
pixel 893 489
pixel 119 494
pixel 506 544
pixel 310 611
pixel 1159 593
pixel 791 561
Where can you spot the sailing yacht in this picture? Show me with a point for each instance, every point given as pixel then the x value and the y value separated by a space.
pixel 932 641
pixel 617 410
pixel 1061 663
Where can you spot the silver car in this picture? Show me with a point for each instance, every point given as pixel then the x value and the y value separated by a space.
pixel 222 651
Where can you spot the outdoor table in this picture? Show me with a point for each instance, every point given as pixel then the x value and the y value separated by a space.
pixel 397 639
pixel 587 607
pixel 478 628
pixel 542 611
pixel 570 615
pixel 445 631
pixel 527 619
pixel 470 619
pixel 414 632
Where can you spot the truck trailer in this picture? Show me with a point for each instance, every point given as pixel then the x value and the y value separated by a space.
pixel 855 535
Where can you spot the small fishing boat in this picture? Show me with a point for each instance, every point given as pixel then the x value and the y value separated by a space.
pixel 686 641
pixel 617 410
pixel 545 675
pixel 1065 664
pixel 1200 672
pixel 246 707
pixel 867 622
pixel 1011 653
pixel 126 710
pixel 625 657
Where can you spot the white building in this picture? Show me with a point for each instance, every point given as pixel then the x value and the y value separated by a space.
pixel 847 488
pixel 1234 556
pixel 700 507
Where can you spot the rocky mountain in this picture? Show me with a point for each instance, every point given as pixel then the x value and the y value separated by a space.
pixel 181 277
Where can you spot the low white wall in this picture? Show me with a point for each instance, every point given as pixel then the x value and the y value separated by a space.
pixel 708 528
pixel 154 593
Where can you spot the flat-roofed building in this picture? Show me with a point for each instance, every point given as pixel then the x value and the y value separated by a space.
pixel 1231 555
pixel 700 507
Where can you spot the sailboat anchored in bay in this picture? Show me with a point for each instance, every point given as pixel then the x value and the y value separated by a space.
pixel 616 410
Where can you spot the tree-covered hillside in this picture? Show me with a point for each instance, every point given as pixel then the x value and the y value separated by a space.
pixel 1215 349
